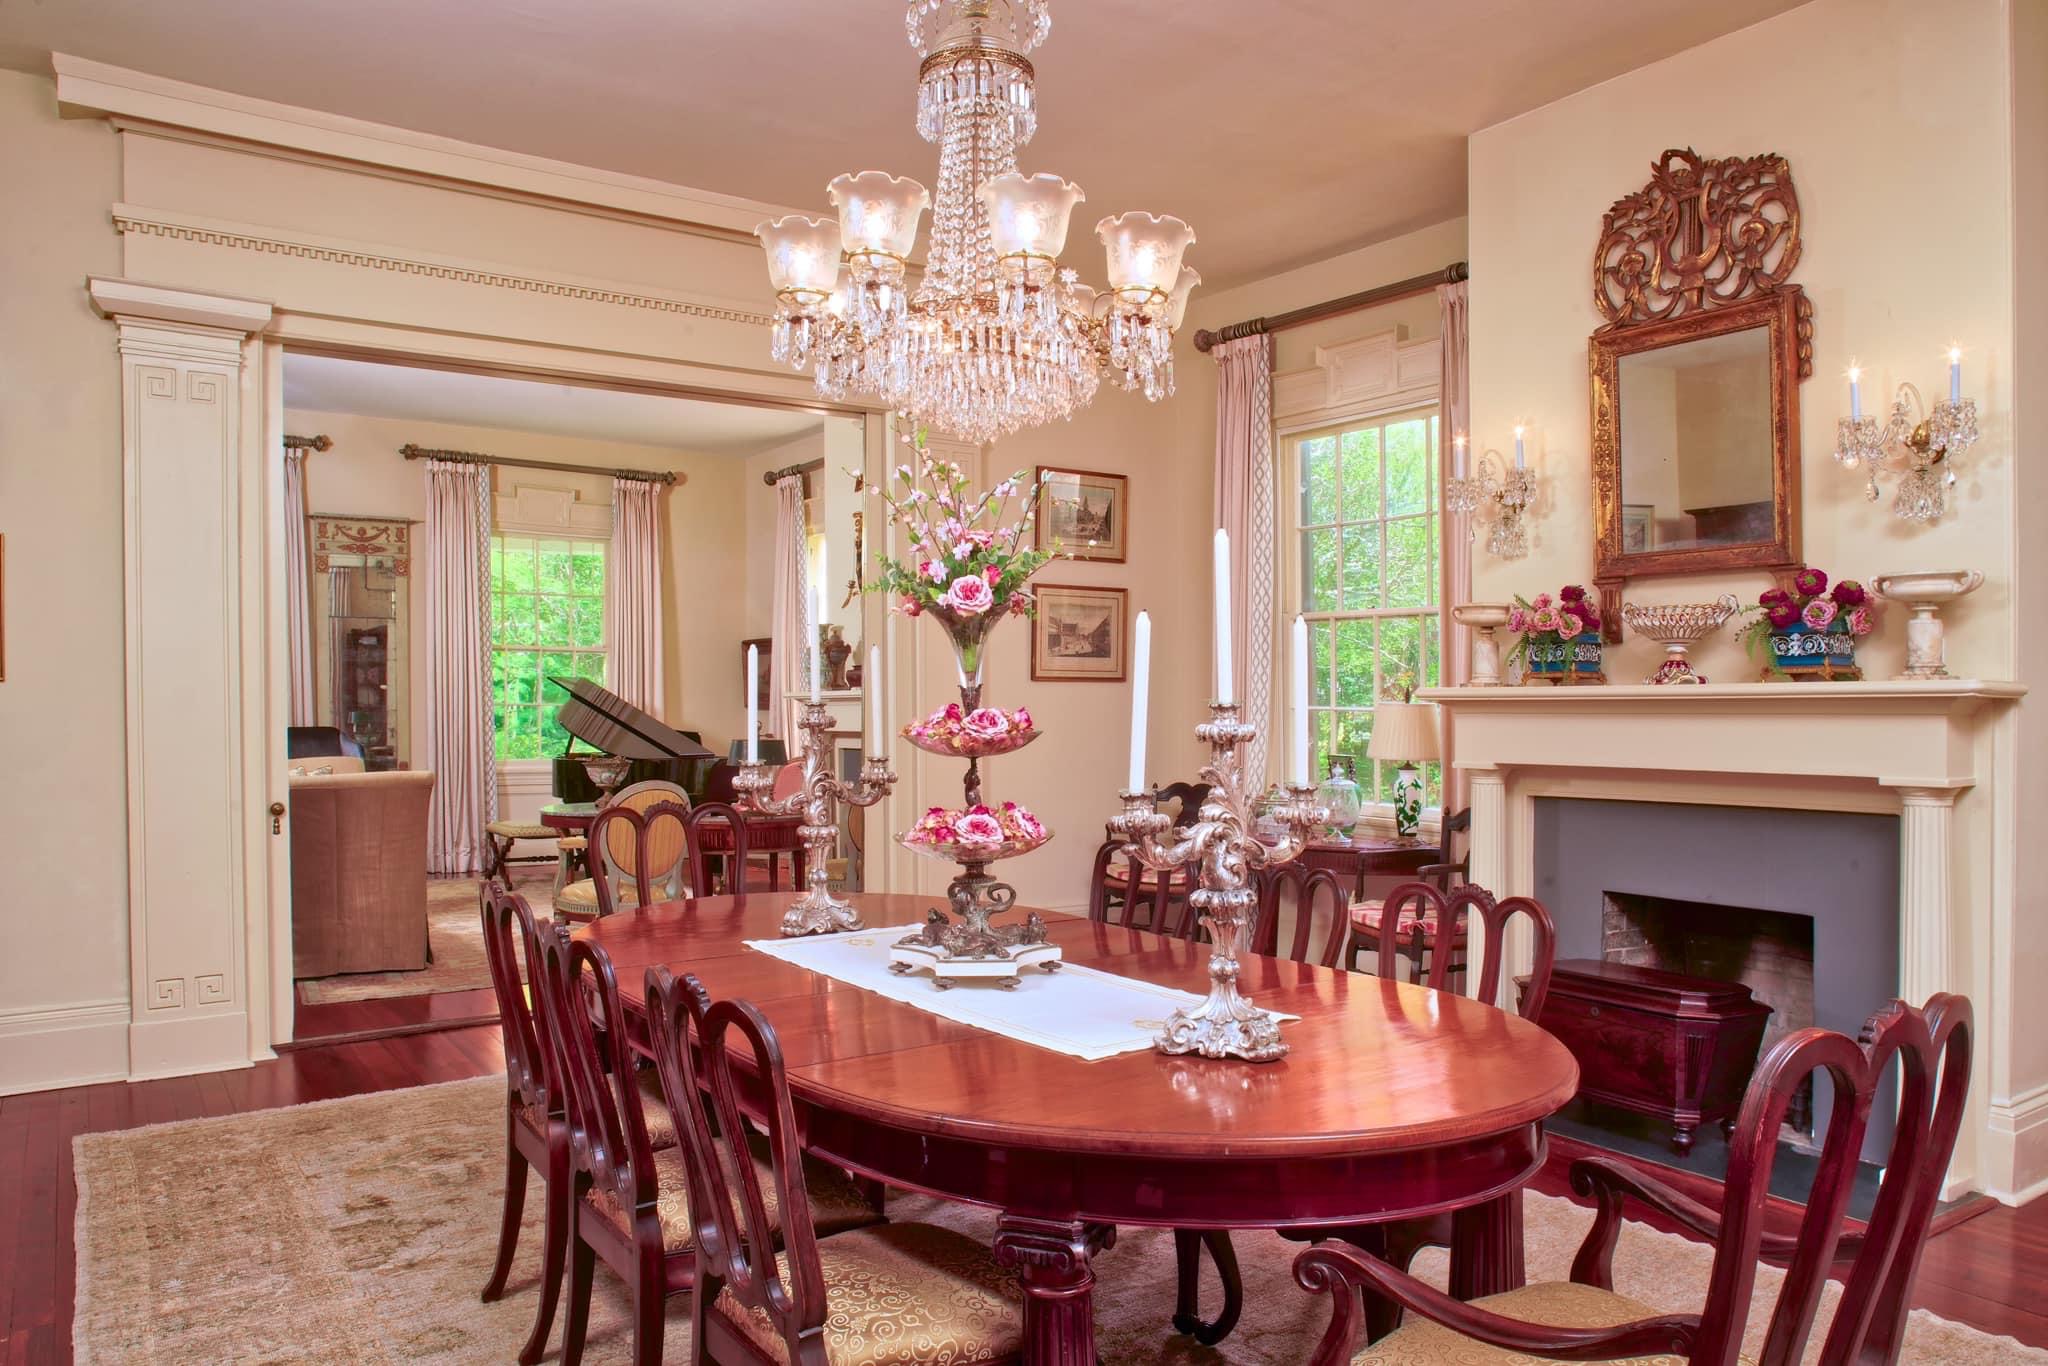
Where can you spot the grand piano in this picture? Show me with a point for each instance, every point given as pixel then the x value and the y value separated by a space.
pixel 609 724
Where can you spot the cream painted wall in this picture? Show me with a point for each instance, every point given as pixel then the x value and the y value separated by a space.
pixel 61 727
pixel 704 536
pixel 1838 87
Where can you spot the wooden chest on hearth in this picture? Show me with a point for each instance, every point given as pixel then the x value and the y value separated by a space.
pixel 1662 1044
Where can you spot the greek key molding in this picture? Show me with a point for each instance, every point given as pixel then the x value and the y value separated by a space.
pixel 243 240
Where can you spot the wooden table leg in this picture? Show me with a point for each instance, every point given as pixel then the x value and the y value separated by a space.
pixel 1486 1248
pixel 1051 1259
pixel 800 861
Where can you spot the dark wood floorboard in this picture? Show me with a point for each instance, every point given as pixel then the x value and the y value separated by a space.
pixel 1990 1270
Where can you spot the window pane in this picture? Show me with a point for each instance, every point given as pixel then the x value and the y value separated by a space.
pixel 1361 468
pixel 1354 664
pixel 500 619
pixel 1407 467
pixel 555 664
pixel 1410 582
pixel 587 574
pixel 590 667
pixel 514 681
pixel 553 739
pixel 1400 657
pixel 522 740
pixel 1432 653
pixel 554 566
pixel 589 623
pixel 1319 481
pixel 1318 744
pixel 518 566
pixel 1319 570
pixel 551 621
pixel 1319 662
pixel 1354 736
pixel 1361 568
pixel 518 620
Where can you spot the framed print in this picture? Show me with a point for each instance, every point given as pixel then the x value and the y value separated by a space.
pixel 1087 513
pixel 1638 527
pixel 1080 634
pixel 764 679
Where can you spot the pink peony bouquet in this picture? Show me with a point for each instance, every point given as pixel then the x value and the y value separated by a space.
pixel 1571 613
pixel 970 557
pixel 985 829
pixel 980 732
pixel 1811 604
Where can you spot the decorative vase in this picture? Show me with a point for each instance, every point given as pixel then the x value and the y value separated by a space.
pixel 1483 619
pixel 836 651
pixel 1926 656
pixel 1340 796
pixel 1676 626
pixel 1407 801
pixel 1554 659
pixel 1806 655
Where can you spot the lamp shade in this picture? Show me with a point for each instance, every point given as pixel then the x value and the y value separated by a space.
pixel 1027 215
pixel 1404 732
pixel 1177 302
pixel 803 253
pixel 879 212
pixel 1144 250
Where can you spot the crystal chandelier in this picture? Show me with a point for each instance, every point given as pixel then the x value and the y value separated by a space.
pixel 996 335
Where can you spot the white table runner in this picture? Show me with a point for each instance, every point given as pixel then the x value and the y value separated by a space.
pixel 1082 1012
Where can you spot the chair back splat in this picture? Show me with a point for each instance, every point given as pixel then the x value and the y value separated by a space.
pixel 607 1127
pixel 510 935
pixel 1319 903
pixel 1437 923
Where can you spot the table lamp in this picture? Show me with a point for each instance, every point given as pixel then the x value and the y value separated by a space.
pixel 1404 734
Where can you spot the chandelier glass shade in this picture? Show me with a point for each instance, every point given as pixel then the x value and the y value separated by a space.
pixel 994 335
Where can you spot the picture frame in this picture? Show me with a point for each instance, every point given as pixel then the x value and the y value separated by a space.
pixel 764 679
pixel 1086 512
pixel 1638 527
pixel 1081 634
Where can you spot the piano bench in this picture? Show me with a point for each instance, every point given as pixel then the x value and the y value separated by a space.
pixel 502 835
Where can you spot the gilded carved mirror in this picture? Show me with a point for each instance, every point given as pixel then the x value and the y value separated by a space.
pixel 1695 374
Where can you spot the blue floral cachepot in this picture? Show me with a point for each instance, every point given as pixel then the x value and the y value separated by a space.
pixel 1803 652
pixel 1553 659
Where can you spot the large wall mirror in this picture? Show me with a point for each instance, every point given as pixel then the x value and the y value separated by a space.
pixel 1695 376
pixel 361 640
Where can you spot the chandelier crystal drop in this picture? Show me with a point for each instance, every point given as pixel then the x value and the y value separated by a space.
pixel 995 335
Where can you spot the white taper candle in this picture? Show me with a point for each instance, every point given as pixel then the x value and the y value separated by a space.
pixel 1226 672
pixel 753 704
pixel 1297 771
pixel 878 743
pixel 1521 461
pixel 1855 394
pixel 1141 702
pixel 1955 374
pixel 1458 456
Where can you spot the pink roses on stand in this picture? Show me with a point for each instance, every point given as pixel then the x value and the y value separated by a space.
pixel 981 831
pixel 981 732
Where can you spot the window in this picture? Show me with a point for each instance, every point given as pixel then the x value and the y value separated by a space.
pixel 547 621
pixel 1367 544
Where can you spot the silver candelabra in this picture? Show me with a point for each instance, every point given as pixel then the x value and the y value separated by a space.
pixel 817 801
pixel 1226 1025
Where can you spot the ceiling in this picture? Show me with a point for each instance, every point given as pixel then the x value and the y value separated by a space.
pixel 330 385
pixel 1284 132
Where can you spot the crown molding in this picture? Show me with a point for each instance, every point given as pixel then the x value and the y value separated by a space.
pixel 89 89
pixel 131 219
pixel 132 299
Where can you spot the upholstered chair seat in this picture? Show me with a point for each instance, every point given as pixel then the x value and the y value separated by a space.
pixel 899 1295
pixel 836 1203
pixel 1561 1304
pixel 1366 917
pixel 578 900
pixel 521 830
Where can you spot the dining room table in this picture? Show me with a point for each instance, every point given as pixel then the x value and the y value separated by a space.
pixel 1394 1101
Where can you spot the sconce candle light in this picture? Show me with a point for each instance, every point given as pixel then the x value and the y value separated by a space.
pixel 1493 485
pixel 1925 443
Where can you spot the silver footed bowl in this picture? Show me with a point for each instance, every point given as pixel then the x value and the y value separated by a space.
pixel 1675 626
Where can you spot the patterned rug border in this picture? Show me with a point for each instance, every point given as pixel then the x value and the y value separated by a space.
pixel 84 1277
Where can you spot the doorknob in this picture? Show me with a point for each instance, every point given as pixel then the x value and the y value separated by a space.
pixel 277 818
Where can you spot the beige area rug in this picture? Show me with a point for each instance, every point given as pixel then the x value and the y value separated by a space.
pixel 455 931
pixel 361 1230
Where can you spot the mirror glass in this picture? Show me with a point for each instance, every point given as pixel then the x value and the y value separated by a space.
pixel 1696 451
pixel 360 649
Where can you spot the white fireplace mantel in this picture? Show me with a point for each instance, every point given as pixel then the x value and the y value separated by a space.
pixel 1908 748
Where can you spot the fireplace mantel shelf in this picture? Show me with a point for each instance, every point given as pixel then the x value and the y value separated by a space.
pixel 1802 696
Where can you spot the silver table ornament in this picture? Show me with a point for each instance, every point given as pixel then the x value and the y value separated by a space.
pixel 1227 1024
pixel 817 801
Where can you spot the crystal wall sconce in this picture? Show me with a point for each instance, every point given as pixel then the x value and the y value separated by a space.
pixel 1494 492
pixel 1918 445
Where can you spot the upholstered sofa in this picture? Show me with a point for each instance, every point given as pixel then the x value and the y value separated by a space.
pixel 359 872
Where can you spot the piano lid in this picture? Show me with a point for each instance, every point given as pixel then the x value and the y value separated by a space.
pixel 607 722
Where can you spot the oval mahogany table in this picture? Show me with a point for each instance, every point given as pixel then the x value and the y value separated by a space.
pixel 1395 1101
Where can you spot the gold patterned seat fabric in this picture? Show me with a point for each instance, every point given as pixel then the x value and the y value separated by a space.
pixel 903 1295
pixel 1562 1304
pixel 521 830
pixel 836 1203
pixel 580 898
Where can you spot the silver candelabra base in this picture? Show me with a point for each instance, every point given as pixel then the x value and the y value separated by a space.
pixel 817 911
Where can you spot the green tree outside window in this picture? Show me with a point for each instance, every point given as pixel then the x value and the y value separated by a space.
pixel 547 622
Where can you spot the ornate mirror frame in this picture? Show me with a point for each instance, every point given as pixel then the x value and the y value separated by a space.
pixel 1705 248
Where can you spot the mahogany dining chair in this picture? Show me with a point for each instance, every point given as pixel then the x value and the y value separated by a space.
pixel 614 849
pixel 882 1293
pixel 536 1117
pixel 1582 1319
pixel 1119 887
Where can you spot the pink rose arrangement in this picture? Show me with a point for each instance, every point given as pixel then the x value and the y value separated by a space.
pixel 969 555
pixel 977 830
pixel 1810 603
pixel 1570 613
pixel 977 733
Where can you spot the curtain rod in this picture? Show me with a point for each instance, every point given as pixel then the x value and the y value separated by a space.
pixel 309 443
pixel 806 469
pixel 1416 284
pixel 412 452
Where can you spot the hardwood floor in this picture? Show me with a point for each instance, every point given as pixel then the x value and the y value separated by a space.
pixel 1990 1270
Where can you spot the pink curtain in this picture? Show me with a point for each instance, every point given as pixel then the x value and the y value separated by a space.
pixel 1456 400
pixel 792 632
pixel 1244 508
pixel 298 606
pixel 457 728
pixel 632 604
